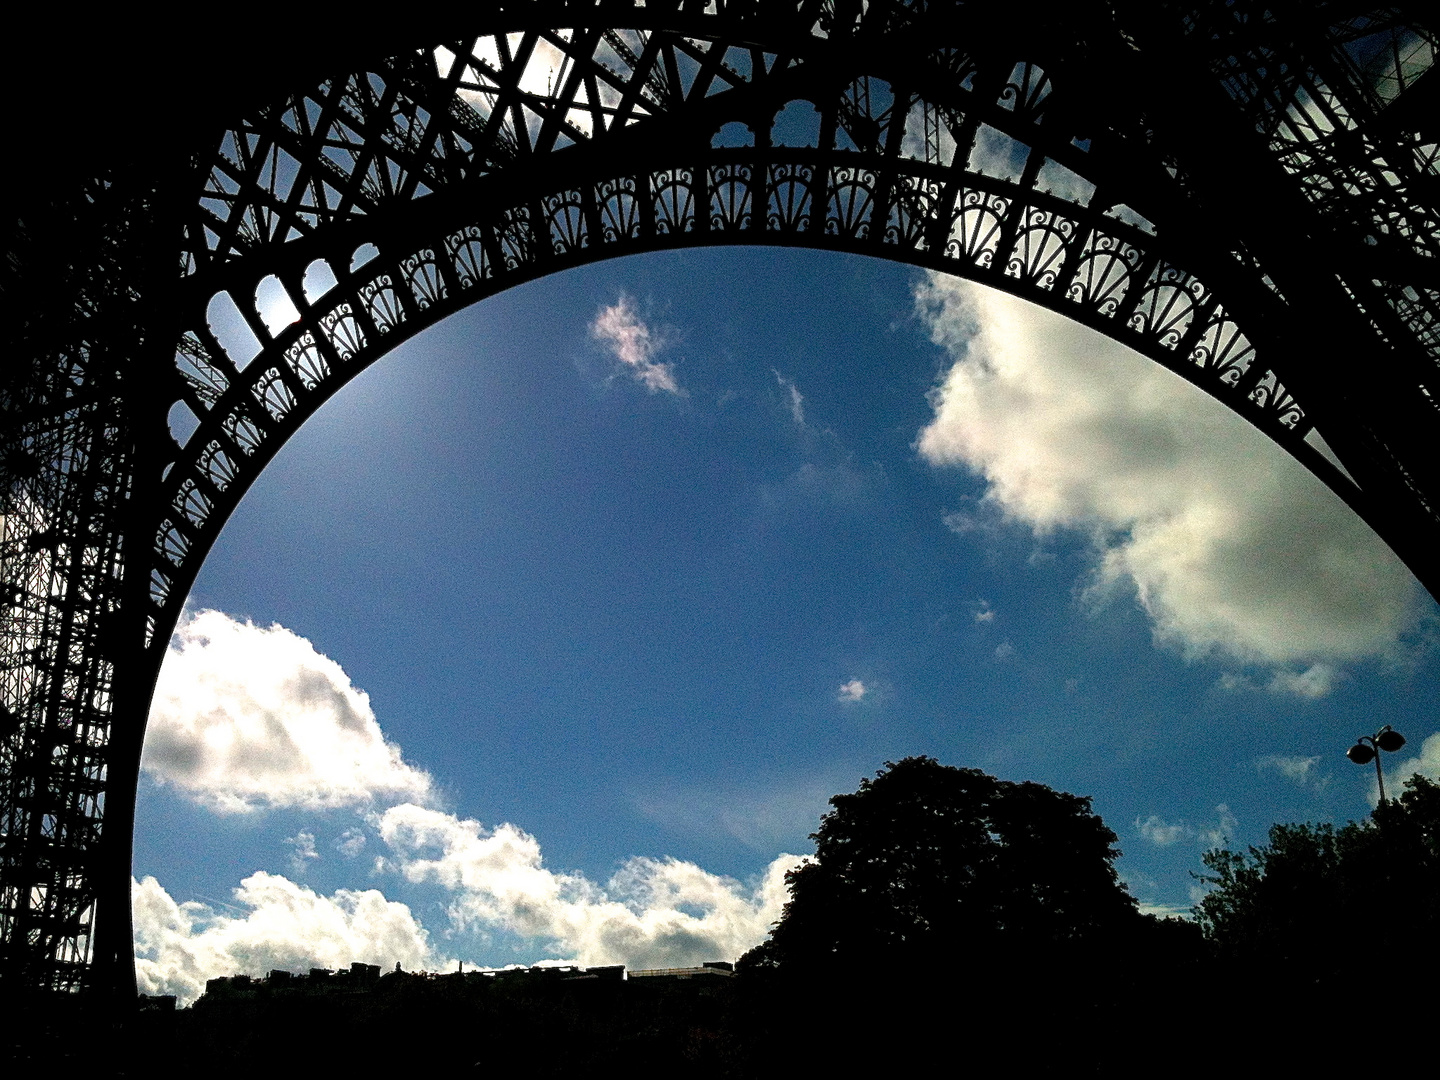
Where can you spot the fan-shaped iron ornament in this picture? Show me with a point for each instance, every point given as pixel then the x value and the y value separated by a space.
pixel 1244 193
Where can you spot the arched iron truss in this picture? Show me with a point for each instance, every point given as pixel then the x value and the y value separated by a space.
pixel 1243 193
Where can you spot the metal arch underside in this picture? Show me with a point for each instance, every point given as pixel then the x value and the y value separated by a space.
pixel 1245 197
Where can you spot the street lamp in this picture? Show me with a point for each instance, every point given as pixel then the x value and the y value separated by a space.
pixel 1367 749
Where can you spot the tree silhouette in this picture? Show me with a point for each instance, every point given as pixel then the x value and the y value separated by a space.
pixel 1333 923
pixel 1318 902
pixel 945 907
pixel 927 863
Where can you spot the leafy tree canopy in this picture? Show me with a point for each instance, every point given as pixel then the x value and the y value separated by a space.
pixel 928 863
pixel 1318 900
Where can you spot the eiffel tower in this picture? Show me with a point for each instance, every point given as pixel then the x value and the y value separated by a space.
pixel 1244 192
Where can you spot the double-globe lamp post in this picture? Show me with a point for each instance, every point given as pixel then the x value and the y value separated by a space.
pixel 1367 749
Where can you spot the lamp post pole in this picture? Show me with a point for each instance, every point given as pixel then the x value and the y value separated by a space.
pixel 1367 748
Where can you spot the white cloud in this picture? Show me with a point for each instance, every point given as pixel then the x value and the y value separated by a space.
pixel 1004 651
pixel 351 843
pixel 179 946
pixel 854 690
pixel 796 399
pixel 986 519
pixel 634 344
pixel 984 612
pixel 304 854
pixel 1159 833
pixel 247 717
pixel 1426 763
pixel 652 913
pixel 1314 682
pixel 1234 550
pixel 1302 770
pixel 1166 834
pixel 1166 911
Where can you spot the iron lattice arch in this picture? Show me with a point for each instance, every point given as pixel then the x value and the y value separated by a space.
pixel 1242 193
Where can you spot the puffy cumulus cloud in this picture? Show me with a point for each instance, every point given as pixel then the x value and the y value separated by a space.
pixel 1234 549
pixel 632 342
pixel 652 913
pixel 247 717
pixel 1426 763
pixel 854 690
pixel 284 925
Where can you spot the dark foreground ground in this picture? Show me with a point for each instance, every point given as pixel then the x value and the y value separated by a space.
pixel 1129 1020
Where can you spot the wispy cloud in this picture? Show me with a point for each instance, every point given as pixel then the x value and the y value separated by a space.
pixel 984 613
pixel 765 817
pixel 248 717
pixel 854 690
pixel 794 398
pixel 1162 833
pixel 1233 549
pixel 1159 833
pixel 632 342
pixel 303 853
pixel 1302 770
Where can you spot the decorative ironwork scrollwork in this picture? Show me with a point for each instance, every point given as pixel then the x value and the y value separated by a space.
pixel 172 543
pixel 1272 397
pixel 382 303
pixel 851 202
pixel 1223 348
pixel 1040 248
pixel 272 392
pixel 466 249
pixel 1168 305
pixel 567 222
pixel 159 587
pixel 193 503
pixel 1025 91
pixel 672 193
pixel 423 273
pixel 912 211
pixel 304 359
pixel 244 432
pixel 516 238
pixel 975 227
pixel 619 210
pixel 787 193
pixel 217 465
pixel 730 197
pixel 1105 273
pixel 343 331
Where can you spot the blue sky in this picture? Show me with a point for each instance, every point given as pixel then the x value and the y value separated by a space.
pixel 646 560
